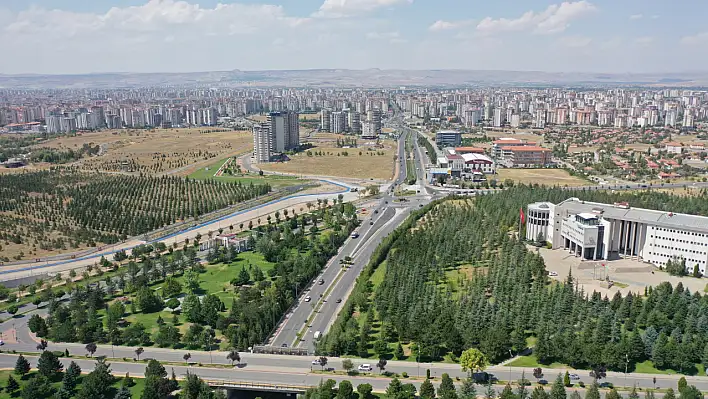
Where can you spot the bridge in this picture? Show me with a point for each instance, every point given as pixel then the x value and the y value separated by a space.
pixel 255 386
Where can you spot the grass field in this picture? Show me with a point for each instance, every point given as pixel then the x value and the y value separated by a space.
pixel 136 390
pixel 548 177
pixel 207 172
pixel 215 280
pixel 365 162
pixel 156 150
pixel 531 361
pixel 646 367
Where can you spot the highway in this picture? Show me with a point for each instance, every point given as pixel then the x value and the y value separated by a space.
pixel 283 369
pixel 325 300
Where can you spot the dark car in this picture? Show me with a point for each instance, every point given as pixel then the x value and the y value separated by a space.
pixel 339 300
pixel 371 223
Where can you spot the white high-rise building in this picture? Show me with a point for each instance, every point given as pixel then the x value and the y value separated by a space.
pixel 688 118
pixel 498 118
pixel 261 143
pixel 284 130
pixel 670 119
pixel 515 120
pixel 338 123
pixel 540 119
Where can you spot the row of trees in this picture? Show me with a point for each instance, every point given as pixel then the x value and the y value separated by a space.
pixel 59 208
pixel 509 297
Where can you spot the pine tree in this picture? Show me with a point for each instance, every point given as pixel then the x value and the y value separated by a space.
pixel 12 384
pixel 22 366
pixel 539 393
pixel 468 390
pixel 447 388
pixel 49 365
pixel 507 393
pixel 558 389
pixel 593 392
pixel 427 390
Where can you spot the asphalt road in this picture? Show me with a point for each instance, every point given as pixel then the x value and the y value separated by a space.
pixel 321 310
pixel 300 371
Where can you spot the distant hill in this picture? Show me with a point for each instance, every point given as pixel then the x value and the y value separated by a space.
pixel 354 78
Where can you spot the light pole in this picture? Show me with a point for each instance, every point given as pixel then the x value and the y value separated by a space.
pixel 510 356
pixel 626 367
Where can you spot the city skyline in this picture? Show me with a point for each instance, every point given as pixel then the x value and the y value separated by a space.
pixel 193 36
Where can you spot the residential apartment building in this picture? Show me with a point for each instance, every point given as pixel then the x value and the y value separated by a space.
pixel 525 156
pixel 261 143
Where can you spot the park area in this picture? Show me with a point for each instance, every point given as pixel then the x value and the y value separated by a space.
pixel 368 161
pixel 135 385
pixel 549 177
pixel 155 151
pixel 227 170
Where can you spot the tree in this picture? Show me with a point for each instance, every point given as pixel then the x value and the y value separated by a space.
pixel 234 356
pixel 155 368
pixel 682 384
pixel 91 348
pixel 381 364
pixel 558 389
pixel 323 362
pixel 539 393
pixel 427 390
pixel 22 366
pixel 507 393
pixel 38 325
pixel 171 288
pixel 593 392
pixel 155 388
pixel 398 354
pixel 49 365
pixel 37 388
pixel 192 386
pixel 468 389
pixel 186 357
pixel 670 394
pixel 566 380
pixel 123 393
pixel 12 384
pixel 394 388
pixel 364 391
pixel 346 390
pixel 139 351
pixel 148 301
pixel 537 373
pixel 613 394
pixel 447 388
pixel 473 360
pixel 71 377
pixel 347 365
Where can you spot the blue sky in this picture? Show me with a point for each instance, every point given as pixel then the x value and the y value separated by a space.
pixel 81 36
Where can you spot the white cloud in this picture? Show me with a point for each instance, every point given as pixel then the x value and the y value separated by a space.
pixel 556 18
pixel 574 41
pixel 440 25
pixel 694 40
pixel 347 8
pixel 644 40
pixel 390 37
pixel 635 17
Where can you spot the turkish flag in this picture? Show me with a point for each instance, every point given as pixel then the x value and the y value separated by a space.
pixel 521 214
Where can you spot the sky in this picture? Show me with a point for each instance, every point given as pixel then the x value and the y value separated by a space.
pixel 93 36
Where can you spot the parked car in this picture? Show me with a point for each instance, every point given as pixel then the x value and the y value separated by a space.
pixel 308 298
pixel 365 367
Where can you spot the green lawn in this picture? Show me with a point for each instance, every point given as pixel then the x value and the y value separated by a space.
pixel 136 390
pixel 648 368
pixel 378 275
pixel 275 181
pixel 531 361
pixel 215 280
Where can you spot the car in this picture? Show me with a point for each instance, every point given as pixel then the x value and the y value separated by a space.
pixel 371 223
pixel 2 342
pixel 316 362
pixel 320 282
pixel 339 300
pixel 365 367
pixel 308 298
pixel 284 345
pixel 553 274
pixel 376 211
pixel 574 376
pixel 355 235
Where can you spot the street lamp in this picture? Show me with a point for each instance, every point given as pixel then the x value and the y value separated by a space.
pixel 626 367
pixel 510 356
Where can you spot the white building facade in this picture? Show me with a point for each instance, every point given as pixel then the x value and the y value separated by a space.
pixel 596 231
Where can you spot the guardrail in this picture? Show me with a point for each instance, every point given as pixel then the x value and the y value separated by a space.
pixel 279 350
pixel 257 385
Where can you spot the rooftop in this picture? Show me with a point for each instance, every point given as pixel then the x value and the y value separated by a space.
pixel 679 221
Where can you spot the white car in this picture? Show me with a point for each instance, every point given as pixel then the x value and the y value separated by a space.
pixel 316 362
pixel 574 377
pixel 308 298
pixel 365 367
pixel 553 274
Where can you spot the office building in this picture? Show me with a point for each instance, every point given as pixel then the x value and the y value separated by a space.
pixel 525 156
pixel 448 138
pixel 594 231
